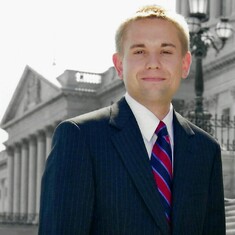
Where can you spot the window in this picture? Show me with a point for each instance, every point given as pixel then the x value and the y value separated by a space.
pixel 225 116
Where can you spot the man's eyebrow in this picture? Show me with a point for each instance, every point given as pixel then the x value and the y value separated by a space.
pixel 141 45
pixel 137 45
pixel 168 44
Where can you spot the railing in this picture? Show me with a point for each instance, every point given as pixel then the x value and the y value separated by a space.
pixel 221 128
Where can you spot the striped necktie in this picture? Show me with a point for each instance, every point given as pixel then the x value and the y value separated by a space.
pixel 161 162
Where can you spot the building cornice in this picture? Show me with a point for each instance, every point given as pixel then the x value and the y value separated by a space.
pixel 110 86
pixel 220 65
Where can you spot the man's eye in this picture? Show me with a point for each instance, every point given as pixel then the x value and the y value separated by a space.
pixel 139 52
pixel 167 52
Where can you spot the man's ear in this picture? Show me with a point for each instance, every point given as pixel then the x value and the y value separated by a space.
pixel 186 64
pixel 117 61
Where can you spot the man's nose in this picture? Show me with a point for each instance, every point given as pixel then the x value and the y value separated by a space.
pixel 153 62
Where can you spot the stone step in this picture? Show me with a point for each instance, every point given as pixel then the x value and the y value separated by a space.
pixel 230 219
pixel 230 216
pixel 229 202
pixel 230 232
pixel 230 225
pixel 230 207
pixel 230 213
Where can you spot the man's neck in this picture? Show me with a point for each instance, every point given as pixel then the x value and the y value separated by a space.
pixel 159 109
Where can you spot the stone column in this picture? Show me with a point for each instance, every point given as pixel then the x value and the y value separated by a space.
pixel 1 203
pixel 49 133
pixel 41 156
pixel 233 8
pixel 178 6
pixel 32 178
pixel 10 178
pixel 3 195
pixel 215 8
pixel 228 10
pixel 24 180
pixel 185 8
pixel 233 176
pixel 17 173
pixel 233 179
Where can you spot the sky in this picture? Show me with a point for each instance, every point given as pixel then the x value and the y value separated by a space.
pixel 54 35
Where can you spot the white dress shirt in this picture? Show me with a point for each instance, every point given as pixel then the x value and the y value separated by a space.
pixel 148 123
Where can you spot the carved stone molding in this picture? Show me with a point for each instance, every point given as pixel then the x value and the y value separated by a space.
pixel 219 65
pixel 40 135
pixel 211 101
pixel 232 91
pixel 33 92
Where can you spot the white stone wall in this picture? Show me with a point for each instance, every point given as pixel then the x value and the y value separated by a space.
pixel 228 161
pixel 3 182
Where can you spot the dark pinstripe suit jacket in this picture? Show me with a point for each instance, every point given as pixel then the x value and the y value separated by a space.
pixel 98 179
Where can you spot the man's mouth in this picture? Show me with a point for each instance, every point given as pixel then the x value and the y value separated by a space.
pixel 153 79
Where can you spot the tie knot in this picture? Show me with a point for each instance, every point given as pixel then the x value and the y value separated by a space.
pixel 161 129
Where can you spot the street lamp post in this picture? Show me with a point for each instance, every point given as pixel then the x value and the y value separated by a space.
pixel 200 40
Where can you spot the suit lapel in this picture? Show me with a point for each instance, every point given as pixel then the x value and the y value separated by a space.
pixel 182 135
pixel 129 143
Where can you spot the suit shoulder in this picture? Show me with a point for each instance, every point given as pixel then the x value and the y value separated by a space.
pixel 196 131
pixel 98 116
pixel 84 124
pixel 95 116
pixel 202 134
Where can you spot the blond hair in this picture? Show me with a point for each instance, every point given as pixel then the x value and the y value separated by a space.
pixel 152 12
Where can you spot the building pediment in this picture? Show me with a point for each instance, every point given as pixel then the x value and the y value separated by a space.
pixel 32 90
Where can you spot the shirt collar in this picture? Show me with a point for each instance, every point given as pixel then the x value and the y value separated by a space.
pixel 147 121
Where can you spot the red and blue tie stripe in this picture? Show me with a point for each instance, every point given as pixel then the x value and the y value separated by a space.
pixel 161 162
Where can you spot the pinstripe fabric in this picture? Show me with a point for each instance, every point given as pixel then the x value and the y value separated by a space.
pixel 198 199
pixel 98 180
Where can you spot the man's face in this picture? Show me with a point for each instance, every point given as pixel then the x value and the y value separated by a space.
pixel 152 63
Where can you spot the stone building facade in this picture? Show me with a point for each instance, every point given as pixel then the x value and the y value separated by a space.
pixel 37 106
pixel 219 85
pixel 219 69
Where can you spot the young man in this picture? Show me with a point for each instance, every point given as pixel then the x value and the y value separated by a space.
pixel 100 177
